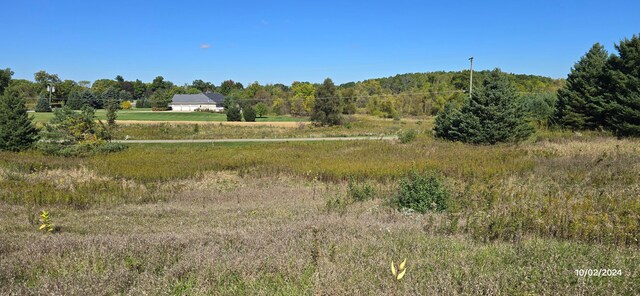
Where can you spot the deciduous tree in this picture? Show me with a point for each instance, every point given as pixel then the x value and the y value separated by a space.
pixel 326 109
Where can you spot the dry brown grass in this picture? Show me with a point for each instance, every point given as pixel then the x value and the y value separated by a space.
pixel 275 236
pixel 255 219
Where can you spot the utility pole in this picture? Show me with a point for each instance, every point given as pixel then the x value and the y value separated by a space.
pixel 471 77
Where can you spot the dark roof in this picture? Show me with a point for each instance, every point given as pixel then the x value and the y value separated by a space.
pixel 191 99
pixel 215 96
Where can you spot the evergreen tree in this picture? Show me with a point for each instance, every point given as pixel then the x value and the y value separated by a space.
pixel 43 105
pixel 249 113
pixel 233 113
pixel 580 102
pixel 111 102
pixel 326 108
pixel 74 101
pixel 445 122
pixel 623 92
pixel 490 116
pixel 16 127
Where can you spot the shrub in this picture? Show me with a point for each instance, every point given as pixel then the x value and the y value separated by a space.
pixel 233 113
pixel 71 133
pixel 126 105
pixel 43 105
pixel 249 113
pixel 143 103
pixel 407 136
pixel 361 191
pixel 422 193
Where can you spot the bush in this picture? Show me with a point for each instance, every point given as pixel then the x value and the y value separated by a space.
pixel 126 105
pixel 43 105
pixel 361 191
pixel 407 136
pixel 422 193
pixel 71 133
pixel 233 113
pixel 249 113
pixel 143 103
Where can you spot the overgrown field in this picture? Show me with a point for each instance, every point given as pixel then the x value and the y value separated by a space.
pixel 279 218
pixel 356 126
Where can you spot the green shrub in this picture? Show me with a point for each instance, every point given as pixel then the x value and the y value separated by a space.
pixel 233 113
pixel 338 203
pixel 71 133
pixel 43 105
pixel 407 136
pixel 361 191
pixel 422 193
pixel 143 103
pixel 249 113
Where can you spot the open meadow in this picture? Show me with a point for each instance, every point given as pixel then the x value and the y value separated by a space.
pixel 291 219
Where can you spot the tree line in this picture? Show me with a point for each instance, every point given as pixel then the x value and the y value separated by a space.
pixel 412 94
pixel 601 92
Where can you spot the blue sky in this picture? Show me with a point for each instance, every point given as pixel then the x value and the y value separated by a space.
pixel 283 41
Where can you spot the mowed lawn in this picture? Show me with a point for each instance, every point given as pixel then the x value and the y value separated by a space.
pixel 148 115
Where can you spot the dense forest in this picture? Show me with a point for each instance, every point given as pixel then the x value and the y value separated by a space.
pixel 412 94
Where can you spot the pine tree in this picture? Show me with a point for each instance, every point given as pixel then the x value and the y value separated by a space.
pixel 249 113
pixel 16 127
pixel 43 105
pixel 490 116
pixel 233 113
pixel 623 92
pixel 74 101
pixel 580 102
pixel 111 102
pixel 326 108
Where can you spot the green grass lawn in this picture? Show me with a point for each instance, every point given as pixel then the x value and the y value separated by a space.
pixel 144 114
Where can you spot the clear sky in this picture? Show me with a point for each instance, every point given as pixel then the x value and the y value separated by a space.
pixel 283 41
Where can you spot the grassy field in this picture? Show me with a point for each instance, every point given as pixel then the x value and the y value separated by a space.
pixel 148 115
pixel 277 218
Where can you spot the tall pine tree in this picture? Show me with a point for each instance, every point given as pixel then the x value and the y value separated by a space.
pixel 581 103
pixel 623 93
pixel 16 127
pixel 490 116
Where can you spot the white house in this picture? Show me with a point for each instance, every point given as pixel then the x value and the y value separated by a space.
pixel 196 102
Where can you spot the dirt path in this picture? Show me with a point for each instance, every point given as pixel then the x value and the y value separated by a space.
pixel 385 138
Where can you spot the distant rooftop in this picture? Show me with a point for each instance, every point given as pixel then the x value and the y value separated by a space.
pixel 217 97
pixel 182 99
